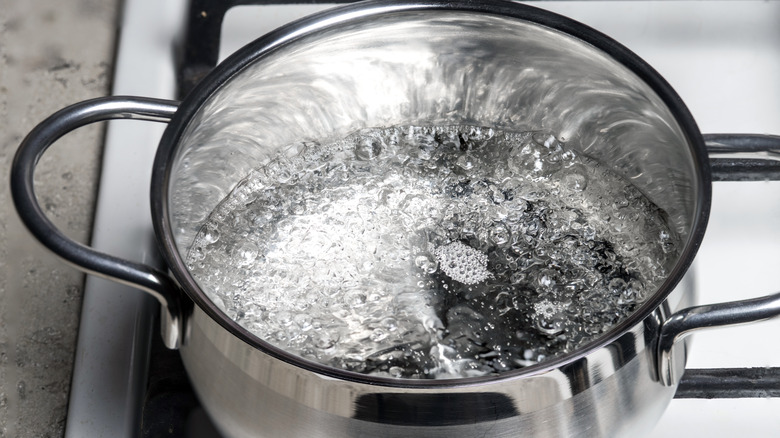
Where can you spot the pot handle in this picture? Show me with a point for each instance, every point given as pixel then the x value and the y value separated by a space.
pixel 91 261
pixel 744 157
pixel 733 157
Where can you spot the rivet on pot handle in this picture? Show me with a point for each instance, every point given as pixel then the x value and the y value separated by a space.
pixel 146 278
pixel 733 157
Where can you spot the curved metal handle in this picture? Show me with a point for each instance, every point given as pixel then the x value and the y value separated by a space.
pixel 146 278
pixel 734 157
pixel 744 157
pixel 687 321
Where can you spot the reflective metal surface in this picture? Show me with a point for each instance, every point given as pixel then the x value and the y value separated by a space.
pixel 743 157
pixel 689 320
pixel 144 277
pixel 611 392
pixel 326 77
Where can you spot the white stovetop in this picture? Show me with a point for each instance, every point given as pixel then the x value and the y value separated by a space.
pixel 723 58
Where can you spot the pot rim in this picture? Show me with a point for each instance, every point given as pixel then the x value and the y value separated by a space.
pixel 342 15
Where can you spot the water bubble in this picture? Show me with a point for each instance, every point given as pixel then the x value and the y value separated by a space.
pixel 421 261
pixel 285 318
pixel 304 321
pixel 497 195
pixel 280 336
pixel 638 290
pixel 245 253
pixel 391 324
pixel 298 208
pixel 196 253
pixel 356 299
pixel 325 340
pixel 396 371
pixel 368 148
pixel 617 285
pixel 378 335
pixel 568 158
pixel 549 317
pixel 210 235
pixel 465 162
pixel 499 234
pixel 575 181
pixel 279 171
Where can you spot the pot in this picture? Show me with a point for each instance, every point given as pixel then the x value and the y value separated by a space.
pixel 378 63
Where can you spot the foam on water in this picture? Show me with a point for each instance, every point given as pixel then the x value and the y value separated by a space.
pixel 430 252
pixel 462 263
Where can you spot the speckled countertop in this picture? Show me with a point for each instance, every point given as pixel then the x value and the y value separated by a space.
pixel 51 54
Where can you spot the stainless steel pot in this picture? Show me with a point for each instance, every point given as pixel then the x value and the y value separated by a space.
pixel 379 63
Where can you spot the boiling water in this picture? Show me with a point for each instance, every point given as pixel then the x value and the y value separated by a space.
pixel 431 252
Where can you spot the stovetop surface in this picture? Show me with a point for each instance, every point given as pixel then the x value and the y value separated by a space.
pixel 723 58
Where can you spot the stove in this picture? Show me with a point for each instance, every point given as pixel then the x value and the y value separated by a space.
pixel 723 58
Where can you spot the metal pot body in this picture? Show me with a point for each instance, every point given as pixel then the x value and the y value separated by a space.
pixel 613 391
pixel 496 64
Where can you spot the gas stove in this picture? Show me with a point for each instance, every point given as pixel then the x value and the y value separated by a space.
pixel 723 58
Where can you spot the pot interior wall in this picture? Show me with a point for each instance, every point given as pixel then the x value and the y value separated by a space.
pixel 425 68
